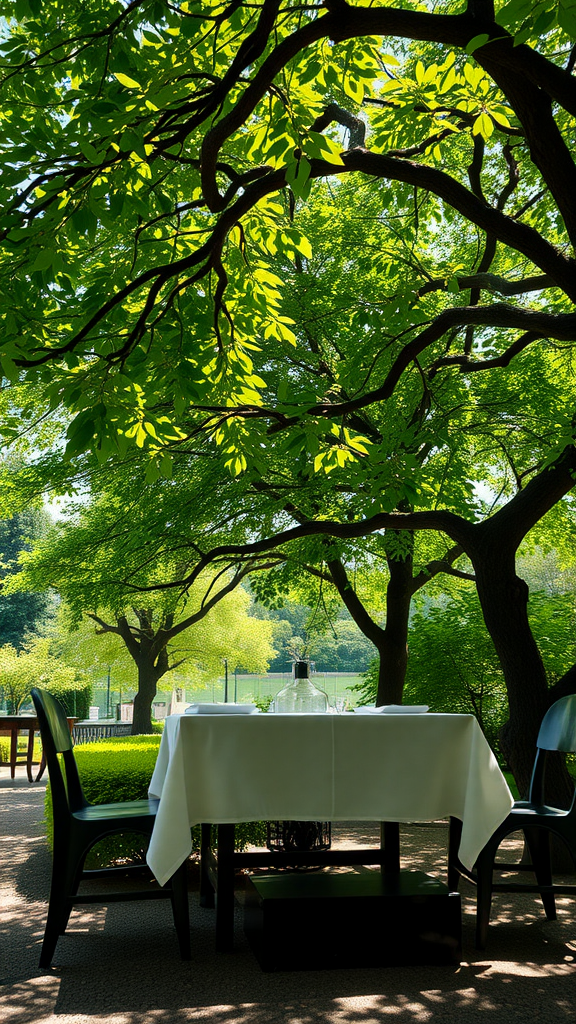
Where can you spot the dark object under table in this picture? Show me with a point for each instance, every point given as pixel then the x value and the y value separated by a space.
pixel 335 920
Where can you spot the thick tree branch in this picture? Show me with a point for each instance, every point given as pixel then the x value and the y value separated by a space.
pixel 511 523
pixel 507 230
pixel 526 77
pixel 438 565
pixel 513 233
pixel 468 365
pixel 507 526
pixel 563 328
pixel 359 613
pixel 335 114
pixel 123 630
pixel 490 283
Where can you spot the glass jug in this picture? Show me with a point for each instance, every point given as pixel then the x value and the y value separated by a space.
pixel 300 696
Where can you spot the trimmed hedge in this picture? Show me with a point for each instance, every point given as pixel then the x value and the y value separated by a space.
pixel 120 768
pixel 75 700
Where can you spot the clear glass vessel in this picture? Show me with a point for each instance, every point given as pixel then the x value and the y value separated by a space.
pixel 300 696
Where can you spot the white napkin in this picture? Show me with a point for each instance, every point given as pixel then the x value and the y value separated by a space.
pixel 221 709
pixel 394 709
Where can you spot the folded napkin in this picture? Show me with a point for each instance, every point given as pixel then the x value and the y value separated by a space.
pixel 394 709
pixel 221 709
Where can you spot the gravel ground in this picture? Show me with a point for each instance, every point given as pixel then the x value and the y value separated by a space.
pixel 120 964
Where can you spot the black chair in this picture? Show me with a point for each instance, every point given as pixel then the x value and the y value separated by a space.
pixel 78 826
pixel 536 819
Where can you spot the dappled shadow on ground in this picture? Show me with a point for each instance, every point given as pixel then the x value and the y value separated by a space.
pixel 121 963
pixel 127 970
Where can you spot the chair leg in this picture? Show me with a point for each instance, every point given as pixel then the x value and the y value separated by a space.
pixel 66 873
pixel 538 842
pixel 59 909
pixel 179 899
pixel 454 835
pixel 485 871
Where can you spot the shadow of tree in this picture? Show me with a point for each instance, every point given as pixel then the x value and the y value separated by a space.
pixel 121 963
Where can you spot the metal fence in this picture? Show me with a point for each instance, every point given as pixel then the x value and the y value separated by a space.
pixel 91 732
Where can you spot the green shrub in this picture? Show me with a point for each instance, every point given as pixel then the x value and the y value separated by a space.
pixel 120 768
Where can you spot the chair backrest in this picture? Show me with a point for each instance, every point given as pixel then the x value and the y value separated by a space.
pixel 66 789
pixel 557 733
pixel 558 729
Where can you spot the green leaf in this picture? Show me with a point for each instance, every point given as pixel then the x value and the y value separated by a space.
pixel 44 259
pixel 89 151
pixel 476 42
pixel 9 369
pixel 22 10
pixel 167 466
pixel 483 126
pixel 152 472
pixel 132 142
pixel 127 81
pixel 567 17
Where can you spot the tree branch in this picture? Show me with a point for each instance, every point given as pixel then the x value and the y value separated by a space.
pixel 438 565
pixel 362 618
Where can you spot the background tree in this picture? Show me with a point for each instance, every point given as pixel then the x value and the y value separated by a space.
pixel 100 563
pixel 20 613
pixel 34 665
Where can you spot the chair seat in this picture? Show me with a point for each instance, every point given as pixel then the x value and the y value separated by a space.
pixel 526 809
pixel 122 811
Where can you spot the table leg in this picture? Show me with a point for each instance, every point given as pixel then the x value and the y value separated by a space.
pixel 206 887
pixel 225 890
pixel 13 750
pixel 30 755
pixel 454 836
pixel 390 846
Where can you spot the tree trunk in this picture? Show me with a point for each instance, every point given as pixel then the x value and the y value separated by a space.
pixel 391 641
pixel 393 648
pixel 391 671
pixel 147 680
pixel 504 600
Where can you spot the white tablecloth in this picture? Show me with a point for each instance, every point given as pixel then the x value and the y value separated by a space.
pixel 233 768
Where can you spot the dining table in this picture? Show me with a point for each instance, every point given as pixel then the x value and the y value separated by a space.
pixel 223 769
pixel 12 726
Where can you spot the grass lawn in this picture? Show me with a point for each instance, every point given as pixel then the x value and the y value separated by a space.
pixel 246 688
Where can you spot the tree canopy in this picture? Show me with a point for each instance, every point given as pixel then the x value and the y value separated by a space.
pixel 118 585
pixel 326 249
pixel 153 157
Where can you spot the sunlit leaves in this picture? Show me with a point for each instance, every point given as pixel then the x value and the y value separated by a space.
pixel 530 21
pixel 441 100
pixel 126 80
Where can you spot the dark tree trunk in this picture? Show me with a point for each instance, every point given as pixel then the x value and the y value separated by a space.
pixel 147 680
pixel 504 599
pixel 390 641
pixel 391 672
pixel 393 649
